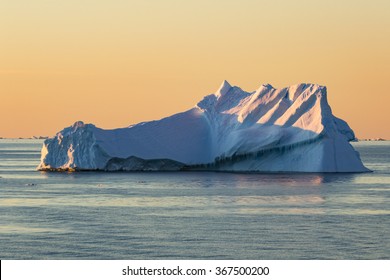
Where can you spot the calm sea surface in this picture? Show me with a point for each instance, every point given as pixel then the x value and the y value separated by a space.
pixel 192 215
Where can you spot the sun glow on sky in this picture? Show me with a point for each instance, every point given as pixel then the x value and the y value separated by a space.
pixel 115 63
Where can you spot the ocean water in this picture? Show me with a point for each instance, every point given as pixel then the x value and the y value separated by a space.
pixel 192 215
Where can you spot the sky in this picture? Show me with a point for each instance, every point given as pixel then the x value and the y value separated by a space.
pixel 115 62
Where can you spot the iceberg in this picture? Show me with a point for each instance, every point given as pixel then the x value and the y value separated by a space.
pixel 291 129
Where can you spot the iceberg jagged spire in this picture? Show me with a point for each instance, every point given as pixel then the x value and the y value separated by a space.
pixel 223 89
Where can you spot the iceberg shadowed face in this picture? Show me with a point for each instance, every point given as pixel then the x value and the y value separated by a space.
pixel 269 130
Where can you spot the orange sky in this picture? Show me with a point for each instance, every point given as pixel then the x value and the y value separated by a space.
pixel 115 63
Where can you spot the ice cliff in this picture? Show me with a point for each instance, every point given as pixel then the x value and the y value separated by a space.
pixel 269 130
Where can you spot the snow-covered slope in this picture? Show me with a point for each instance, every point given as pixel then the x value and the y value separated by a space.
pixel 289 129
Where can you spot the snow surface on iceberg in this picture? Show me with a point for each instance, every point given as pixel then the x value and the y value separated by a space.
pixel 271 130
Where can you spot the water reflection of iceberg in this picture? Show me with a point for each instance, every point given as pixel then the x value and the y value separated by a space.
pixel 293 179
pixel 244 180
